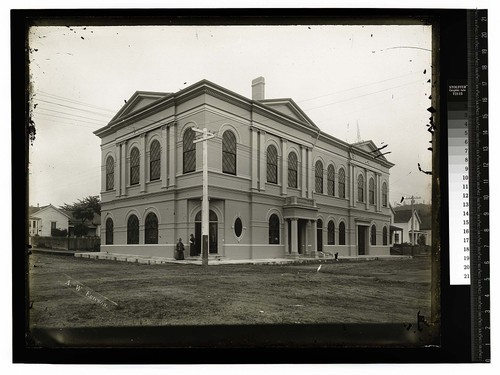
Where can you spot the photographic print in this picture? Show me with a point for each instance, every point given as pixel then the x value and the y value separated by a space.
pixel 257 176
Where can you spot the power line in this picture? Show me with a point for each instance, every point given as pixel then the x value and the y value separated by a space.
pixel 357 87
pixel 43 93
pixel 67 106
pixel 97 121
pixel 49 117
pixel 361 96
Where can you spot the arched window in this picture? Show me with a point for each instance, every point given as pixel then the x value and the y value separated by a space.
pixel 272 164
pixel 331 233
pixel 154 161
pixel 319 176
pixel 134 166
pixel 109 231
pixel 229 152
pixel 371 191
pixel 331 180
pixel 384 194
pixel 110 173
pixel 188 151
pixel 373 235
pixel 212 216
pixel 292 170
pixel 341 183
pixel 361 188
pixel 341 233
pixel 133 230
pixel 274 229
pixel 151 229
pixel 384 236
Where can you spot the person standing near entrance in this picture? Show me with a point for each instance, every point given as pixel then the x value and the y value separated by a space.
pixel 179 251
pixel 192 250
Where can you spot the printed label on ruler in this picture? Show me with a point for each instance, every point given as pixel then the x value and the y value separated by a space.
pixel 458 177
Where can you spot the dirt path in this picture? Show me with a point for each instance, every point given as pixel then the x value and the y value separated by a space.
pixel 381 291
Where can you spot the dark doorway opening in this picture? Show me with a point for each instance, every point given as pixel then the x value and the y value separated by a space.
pixel 319 235
pixel 362 240
pixel 212 234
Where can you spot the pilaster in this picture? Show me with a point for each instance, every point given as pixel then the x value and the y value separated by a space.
pixel 172 154
pixel 118 169
pixel 284 167
pixel 124 169
pixel 163 158
pixel 255 156
pixel 303 164
pixel 310 173
pixel 263 160
pixel 142 169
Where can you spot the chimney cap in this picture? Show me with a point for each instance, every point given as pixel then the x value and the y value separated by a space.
pixel 258 80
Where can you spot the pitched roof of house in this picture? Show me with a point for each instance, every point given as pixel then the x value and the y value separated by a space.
pixel 404 215
pixel 33 209
pixel 41 209
pixel 426 223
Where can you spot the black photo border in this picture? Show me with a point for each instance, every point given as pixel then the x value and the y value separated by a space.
pixel 243 344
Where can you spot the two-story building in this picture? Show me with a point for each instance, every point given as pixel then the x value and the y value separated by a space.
pixel 278 185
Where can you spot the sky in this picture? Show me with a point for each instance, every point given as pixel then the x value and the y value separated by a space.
pixel 354 82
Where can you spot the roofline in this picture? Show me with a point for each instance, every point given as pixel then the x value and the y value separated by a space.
pixel 54 207
pixel 288 100
pixel 158 95
pixel 182 94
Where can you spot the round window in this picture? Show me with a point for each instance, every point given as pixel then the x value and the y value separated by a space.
pixel 238 227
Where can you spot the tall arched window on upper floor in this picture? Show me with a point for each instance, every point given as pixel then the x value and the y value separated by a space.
pixel 154 160
pixel 373 235
pixel 109 231
pixel 134 166
pixel 132 230
pixel 110 173
pixel 384 236
pixel 384 194
pixel 341 183
pixel 331 233
pixel 361 188
pixel 272 164
pixel 228 152
pixel 151 229
pixel 318 173
pixel 274 229
pixel 342 233
pixel 292 170
pixel 188 151
pixel 330 180
pixel 371 191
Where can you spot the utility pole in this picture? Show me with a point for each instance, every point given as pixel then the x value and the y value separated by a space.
pixel 204 201
pixel 412 238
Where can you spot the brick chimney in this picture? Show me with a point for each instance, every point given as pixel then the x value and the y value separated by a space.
pixel 258 85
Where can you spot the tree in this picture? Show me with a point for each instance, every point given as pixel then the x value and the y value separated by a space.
pixel 84 210
pixel 92 201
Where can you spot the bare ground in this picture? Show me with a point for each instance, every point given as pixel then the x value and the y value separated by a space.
pixel 379 291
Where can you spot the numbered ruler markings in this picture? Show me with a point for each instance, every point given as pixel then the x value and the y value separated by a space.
pixel 458 187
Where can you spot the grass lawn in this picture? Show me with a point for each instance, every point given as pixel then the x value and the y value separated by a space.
pixel 128 294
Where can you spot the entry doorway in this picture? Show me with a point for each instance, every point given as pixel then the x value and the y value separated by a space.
pixel 212 234
pixel 319 234
pixel 362 236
